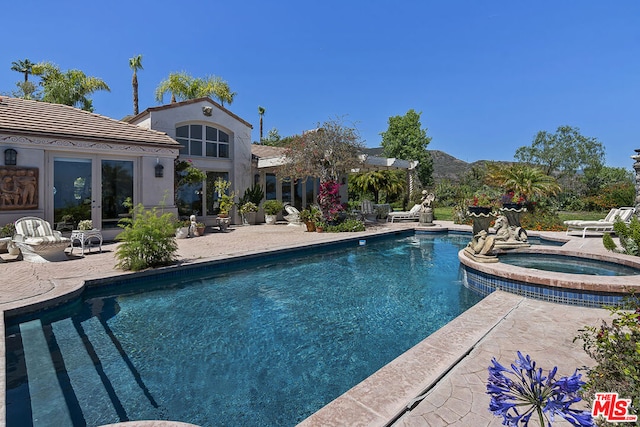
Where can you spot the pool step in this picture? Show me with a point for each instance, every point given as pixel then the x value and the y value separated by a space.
pixel 103 392
pixel 88 386
pixel 47 399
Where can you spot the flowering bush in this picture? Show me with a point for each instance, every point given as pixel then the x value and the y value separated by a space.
pixel 329 200
pixel 481 199
pixel 85 224
pixel 529 392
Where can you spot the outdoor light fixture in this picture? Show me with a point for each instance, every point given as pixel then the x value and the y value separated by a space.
pixel 159 169
pixel 206 110
pixel 10 157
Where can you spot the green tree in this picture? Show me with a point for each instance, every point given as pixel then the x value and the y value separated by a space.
pixel 404 139
pixel 327 152
pixel 261 111
pixel 183 86
pixel 135 64
pixel 563 152
pixel 71 87
pixel 392 183
pixel 24 67
pixel 527 180
pixel 26 90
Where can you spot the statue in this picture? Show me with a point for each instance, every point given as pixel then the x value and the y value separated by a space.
pixel 480 248
pixel 193 226
pixel 426 211
pixel 509 236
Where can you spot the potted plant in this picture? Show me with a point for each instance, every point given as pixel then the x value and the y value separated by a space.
pixel 481 204
pixel 320 226
pixel 182 229
pixel 271 210
pixel 248 212
pixel 6 233
pixel 512 200
pixel 200 229
pixel 310 216
pixel 85 224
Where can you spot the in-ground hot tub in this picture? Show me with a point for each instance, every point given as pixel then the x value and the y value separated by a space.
pixel 590 280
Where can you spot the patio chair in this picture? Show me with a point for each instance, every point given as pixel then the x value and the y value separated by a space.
pixel 600 226
pixel 38 242
pixel 412 215
pixel 293 215
pixel 369 213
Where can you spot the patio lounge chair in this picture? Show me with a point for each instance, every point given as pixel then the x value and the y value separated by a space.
pixel 600 226
pixel 38 242
pixel 293 215
pixel 412 215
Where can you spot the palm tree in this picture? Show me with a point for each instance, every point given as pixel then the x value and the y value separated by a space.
pixel 25 67
pixel 135 64
pixel 529 181
pixel 183 86
pixel 71 87
pixel 375 182
pixel 261 111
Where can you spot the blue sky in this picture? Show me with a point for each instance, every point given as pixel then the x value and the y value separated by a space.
pixel 486 75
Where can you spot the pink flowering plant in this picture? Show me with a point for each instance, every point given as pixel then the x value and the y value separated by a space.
pixel 329 200
pixel 522 392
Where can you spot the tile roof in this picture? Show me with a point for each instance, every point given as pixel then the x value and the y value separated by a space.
pixel 266 151
pixel 35 118
pixel 149 110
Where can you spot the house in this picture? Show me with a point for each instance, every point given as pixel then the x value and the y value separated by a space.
pixel 65 165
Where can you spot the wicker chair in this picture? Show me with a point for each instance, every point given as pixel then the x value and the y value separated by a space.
pixel 38 242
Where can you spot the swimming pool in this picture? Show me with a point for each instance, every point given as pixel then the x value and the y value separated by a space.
pixel 267 345
pixel 567 264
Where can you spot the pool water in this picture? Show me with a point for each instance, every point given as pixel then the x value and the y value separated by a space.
pixel 567 264
pixel 268 345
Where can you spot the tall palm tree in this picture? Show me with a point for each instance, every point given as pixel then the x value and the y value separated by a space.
pixel 25 67
pixel 527 180
pixel 135 64
pixel 261 111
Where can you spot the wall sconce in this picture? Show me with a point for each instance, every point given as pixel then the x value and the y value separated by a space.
pixel 159 169
pixel 207 110
pixel 10 157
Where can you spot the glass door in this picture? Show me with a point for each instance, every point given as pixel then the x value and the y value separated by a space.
pixel 72 192
pixel 117 191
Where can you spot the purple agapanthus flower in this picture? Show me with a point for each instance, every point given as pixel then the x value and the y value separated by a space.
pixel 523 391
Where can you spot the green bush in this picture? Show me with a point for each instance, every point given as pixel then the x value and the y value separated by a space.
pixel 148 240
pixel 348 225
pixel 272 207
pixel 629 237
pixel 615 347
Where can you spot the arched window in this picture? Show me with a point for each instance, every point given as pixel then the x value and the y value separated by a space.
pixel 203 140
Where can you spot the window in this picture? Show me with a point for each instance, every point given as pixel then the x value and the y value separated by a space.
pixel 202 140
pixel 271 181
pixel 213 206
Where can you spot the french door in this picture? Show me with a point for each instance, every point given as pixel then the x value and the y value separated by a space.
pixel 91 188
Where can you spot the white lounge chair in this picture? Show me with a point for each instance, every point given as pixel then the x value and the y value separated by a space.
pixel 38 242
pixel 600 226
pixel 293 215
pixel 411 215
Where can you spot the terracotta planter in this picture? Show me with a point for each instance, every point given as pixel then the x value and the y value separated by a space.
pixel 311 226
pixel 200 231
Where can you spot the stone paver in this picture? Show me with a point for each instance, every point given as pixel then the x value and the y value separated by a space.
pixel 498 326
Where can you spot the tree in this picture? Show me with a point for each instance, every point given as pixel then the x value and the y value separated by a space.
pixel 390 182
pixel 135 64
pixel 183 86
pixel 71 87
pixel 261 111
pixel 26 90
pixel 404 139
pixel 563 152
pixel 529 181
pixel 25 67
pixel 327 152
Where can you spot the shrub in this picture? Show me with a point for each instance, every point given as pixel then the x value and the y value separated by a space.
pixel 148 240
pixel 541 221
pixel 348 225
pixel 8 230
pixel 629 237
pixel 615 347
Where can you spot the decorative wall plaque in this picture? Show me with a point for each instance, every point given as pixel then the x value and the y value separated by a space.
pixel 18 188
